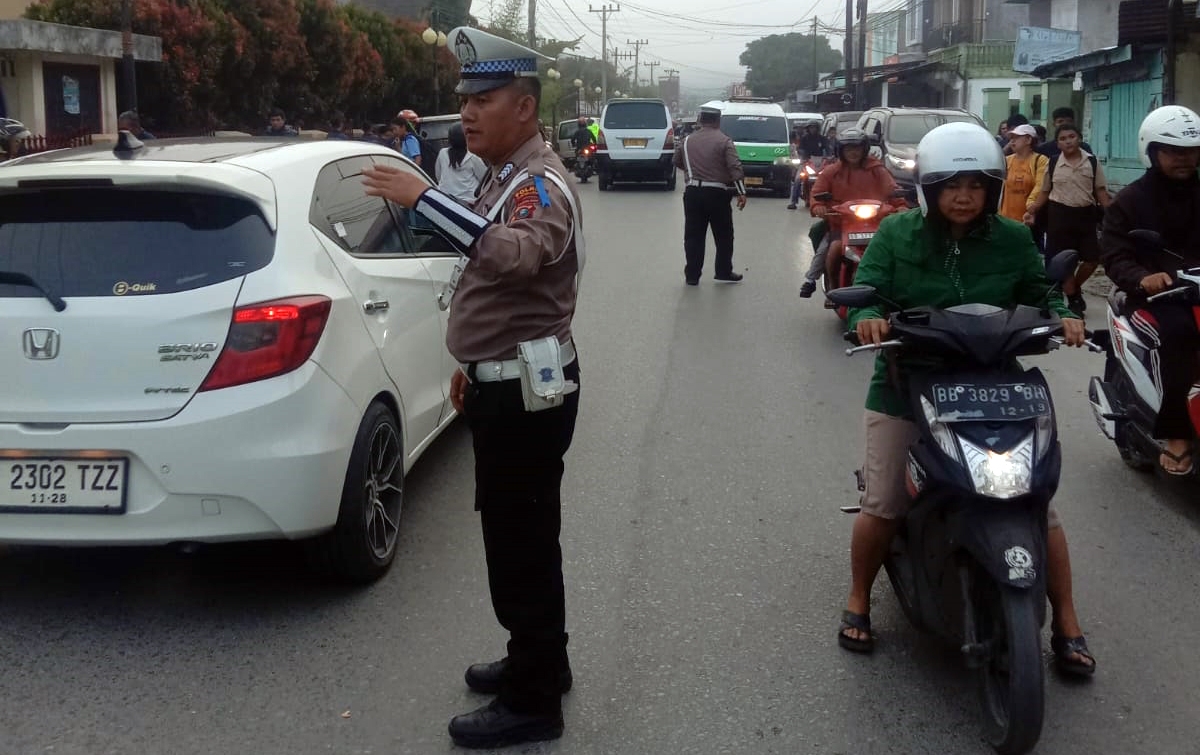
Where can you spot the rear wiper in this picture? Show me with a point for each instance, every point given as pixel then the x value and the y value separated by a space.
pixel 21 279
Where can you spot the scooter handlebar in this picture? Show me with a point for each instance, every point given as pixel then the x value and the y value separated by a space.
pixel 875 347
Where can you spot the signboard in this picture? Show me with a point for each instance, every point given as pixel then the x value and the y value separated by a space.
pixel 1037 45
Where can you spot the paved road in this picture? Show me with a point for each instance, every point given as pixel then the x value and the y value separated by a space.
pixel 707 563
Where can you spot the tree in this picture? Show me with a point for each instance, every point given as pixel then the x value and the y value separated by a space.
pixel 782 63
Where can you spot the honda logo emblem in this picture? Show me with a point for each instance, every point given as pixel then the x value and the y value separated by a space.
pixel 41 343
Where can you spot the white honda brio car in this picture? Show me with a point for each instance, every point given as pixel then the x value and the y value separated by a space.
pixel 216 339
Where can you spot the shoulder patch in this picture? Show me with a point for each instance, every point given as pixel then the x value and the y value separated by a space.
pixel 525 202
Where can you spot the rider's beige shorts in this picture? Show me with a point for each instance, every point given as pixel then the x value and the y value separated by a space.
pixel 885 465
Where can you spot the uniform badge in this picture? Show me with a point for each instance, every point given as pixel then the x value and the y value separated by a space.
pixel 464 50
pixel 505 172
pixel 524 202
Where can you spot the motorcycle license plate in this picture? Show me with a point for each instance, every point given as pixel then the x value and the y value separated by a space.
pixel 966 402
pixel 754 181
pixel 861 236
pixel 634 143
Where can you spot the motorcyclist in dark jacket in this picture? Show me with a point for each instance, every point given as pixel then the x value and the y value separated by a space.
pixel 582 137
pixel 1166 199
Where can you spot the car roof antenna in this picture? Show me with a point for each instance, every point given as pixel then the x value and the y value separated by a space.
pixel 127 145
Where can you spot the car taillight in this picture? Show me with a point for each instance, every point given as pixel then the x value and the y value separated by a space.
pixel 269 339
pixel 600 143
pixel 669 142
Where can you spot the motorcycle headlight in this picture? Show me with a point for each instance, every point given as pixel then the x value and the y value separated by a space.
pixel 810 170
pixel 864 211
pixel 783 161
pixel 1000 475
pixel 901 163
pixel 796 161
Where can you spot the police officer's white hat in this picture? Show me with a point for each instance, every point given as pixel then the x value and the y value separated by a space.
pixel 490 62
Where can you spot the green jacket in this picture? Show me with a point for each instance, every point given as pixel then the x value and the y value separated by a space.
pixel 909 262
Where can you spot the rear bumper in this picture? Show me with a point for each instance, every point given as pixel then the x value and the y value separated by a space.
pixel 655 167
pixel 258 461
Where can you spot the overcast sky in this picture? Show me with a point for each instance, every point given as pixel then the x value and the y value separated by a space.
pixel 702 39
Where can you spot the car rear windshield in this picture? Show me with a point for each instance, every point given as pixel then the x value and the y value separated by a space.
pixel 910 128
pixel 764 129
pixel 110 242
pixel 635 115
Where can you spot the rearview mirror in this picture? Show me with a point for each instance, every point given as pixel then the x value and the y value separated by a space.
pixel 853 296
pixel 1062 266
pixel 824 196
pixel 1147 237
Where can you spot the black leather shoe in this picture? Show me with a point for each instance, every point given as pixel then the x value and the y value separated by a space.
pixel 731 278
pixel 692 281
pixel 485 677
pixel 808 289
pixel 494 725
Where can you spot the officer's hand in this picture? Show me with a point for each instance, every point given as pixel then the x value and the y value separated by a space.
pixel 873 330
pixel 458 390
pixel 1156 283
pixel 741 201
pixel 393 184
pixel 1073 332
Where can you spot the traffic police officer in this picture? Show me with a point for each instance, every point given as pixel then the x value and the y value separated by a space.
pixel 713 169
pixel 522 249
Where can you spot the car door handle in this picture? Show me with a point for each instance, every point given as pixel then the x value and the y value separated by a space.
pixel 370 306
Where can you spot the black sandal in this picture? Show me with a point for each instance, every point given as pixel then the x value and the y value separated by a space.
pixel 1064 648
pixel 861 622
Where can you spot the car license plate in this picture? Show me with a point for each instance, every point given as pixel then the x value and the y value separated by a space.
pixel 864 236
pixel 634 143
pixel 61 484
pixel 965 402
pixel 754 181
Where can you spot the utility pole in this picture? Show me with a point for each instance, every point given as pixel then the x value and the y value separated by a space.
pixel 848 47
pixel 1174 22
pixel 604 11
pixel 859 86
pixel 619 56
pixel 652 64
pixel 532 24
pixel 128 72
pixel 816 81
pixel 637 48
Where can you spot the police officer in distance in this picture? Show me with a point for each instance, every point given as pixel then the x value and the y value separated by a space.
pixel 710 160
pixel 523 248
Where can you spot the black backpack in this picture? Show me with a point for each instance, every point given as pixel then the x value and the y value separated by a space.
pixel 429 156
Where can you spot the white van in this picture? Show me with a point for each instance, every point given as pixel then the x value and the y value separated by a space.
pixel 759 130
pixel 636 143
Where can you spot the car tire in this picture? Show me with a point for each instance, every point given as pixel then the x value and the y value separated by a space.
pixel 603 182
pixel 362 544
pixel 671 183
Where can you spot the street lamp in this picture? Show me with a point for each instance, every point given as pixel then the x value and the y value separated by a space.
pixel 578 94
pixel 599 104
pixel 435 39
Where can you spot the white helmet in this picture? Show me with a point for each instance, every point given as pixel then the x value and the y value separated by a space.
pixel 1170 124
pixel 954 148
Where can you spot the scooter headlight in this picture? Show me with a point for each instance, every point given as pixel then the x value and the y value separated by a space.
pixel 1000 475
pixel 864 211
pixel 810 170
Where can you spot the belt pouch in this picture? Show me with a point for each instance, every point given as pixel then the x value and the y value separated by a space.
pixel 543 385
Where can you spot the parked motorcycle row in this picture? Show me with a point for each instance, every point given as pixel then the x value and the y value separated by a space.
pixel 968 563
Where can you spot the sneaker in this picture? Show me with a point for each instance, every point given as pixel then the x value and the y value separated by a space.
pixel 808 289
pixel 731 278
pixel 792 206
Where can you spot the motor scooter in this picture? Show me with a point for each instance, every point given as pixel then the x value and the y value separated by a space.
pixel 806 175
pixel 855 223
pixel 585 162
pixel 968 562
pixel 1126 401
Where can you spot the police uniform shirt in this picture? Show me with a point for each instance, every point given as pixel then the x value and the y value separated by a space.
pixel 520 281
pixel 712 156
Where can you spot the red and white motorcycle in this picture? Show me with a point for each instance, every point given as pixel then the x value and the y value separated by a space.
pixel 854 223
pixel 1126 401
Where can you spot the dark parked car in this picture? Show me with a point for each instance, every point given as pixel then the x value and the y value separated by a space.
pixel 896 131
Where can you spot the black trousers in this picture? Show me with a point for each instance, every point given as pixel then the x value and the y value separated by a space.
pixel 1171 329
pixel 518 475
pixel 704 207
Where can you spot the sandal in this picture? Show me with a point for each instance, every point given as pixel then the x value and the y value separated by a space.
pixel 861 622
pixel 1178 459
pixel 1064 648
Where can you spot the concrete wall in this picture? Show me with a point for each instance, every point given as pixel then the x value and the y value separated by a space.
pixel 25 94
pixel 1003 19
pixel 974 96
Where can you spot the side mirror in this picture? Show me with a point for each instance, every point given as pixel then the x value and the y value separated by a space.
pixel 1063 265
pixel 874 140
pixel 853 296
pixel 1147 237
pixel 824 196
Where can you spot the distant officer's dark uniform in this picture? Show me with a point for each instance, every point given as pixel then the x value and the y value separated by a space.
pixel 714 173
pixel 523 249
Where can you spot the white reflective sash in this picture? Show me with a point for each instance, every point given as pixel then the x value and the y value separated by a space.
pixel 686 160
